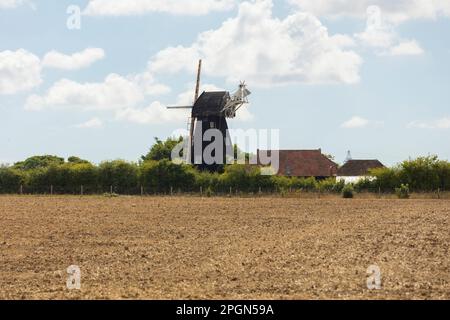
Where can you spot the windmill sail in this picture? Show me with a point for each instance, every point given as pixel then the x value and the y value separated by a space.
pixel 238 99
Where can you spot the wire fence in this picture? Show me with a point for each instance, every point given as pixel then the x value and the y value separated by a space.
pixel 199 191
pixel 138 190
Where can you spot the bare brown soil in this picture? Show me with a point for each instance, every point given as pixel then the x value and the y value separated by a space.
pixel 224 248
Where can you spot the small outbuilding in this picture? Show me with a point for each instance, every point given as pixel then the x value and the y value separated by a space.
pixel 355 170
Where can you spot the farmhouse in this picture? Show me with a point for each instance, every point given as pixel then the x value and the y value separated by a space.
pixel 302 163
pixel 355 170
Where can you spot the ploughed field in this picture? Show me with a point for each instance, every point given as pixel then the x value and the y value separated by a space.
pixel 223 248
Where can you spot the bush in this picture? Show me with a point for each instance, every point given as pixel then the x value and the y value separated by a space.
pixel 38 181
pixel 347 191
pixel 161 176
pixel 386 179
pixel 209 192
pixel 422 174
pixel 84 174
pixel 304 184
pixel 241 177
pixel 123 176
pixel 110 195
pixel 403 192
pixel 10 180
pixel 206 180
pixel 330 185
pixel 281 183
pixel 443 170
pixel 369 185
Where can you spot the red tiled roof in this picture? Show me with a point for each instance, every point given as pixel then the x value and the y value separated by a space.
pixel 304 163
pixel 356 168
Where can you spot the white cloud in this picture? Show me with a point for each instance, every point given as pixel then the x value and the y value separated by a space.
pixel 19 71
pixel 148 84
pixel 78 60
pixel 138 7
pixel 93 123
pixel 8 4
pixel 244 114
pixel 119 95
pixel 156 113
pixel 443 123
pixel 267 51
pixel 381 34
pixel 395 11
pixel 407 48
pixel 113 93
pixel 355 122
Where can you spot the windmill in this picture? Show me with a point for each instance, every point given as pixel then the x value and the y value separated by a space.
pixel 210 111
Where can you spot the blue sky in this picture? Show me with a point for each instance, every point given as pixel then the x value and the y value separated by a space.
pixel 365 76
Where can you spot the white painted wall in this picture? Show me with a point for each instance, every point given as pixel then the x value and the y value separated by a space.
pixel 354 179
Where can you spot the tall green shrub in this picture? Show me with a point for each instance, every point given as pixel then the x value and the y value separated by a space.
pixel 10 180
pixel 161 176
pixel 121 175
pixel 421 174
pixel 386 179
pixel 241 177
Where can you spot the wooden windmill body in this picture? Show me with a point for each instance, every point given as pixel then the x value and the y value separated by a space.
pixel 210 111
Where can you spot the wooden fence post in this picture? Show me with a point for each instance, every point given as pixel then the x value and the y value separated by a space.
pixel 21 189
pixel 81 190
pixel 51 190
pixel 201 191
pixel 142 190
pixel 111 189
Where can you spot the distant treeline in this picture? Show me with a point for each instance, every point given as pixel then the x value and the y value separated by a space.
pixel 156 174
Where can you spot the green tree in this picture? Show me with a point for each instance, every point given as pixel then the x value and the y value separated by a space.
pixel 36 162
pixel 74 159
pixel 162 150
